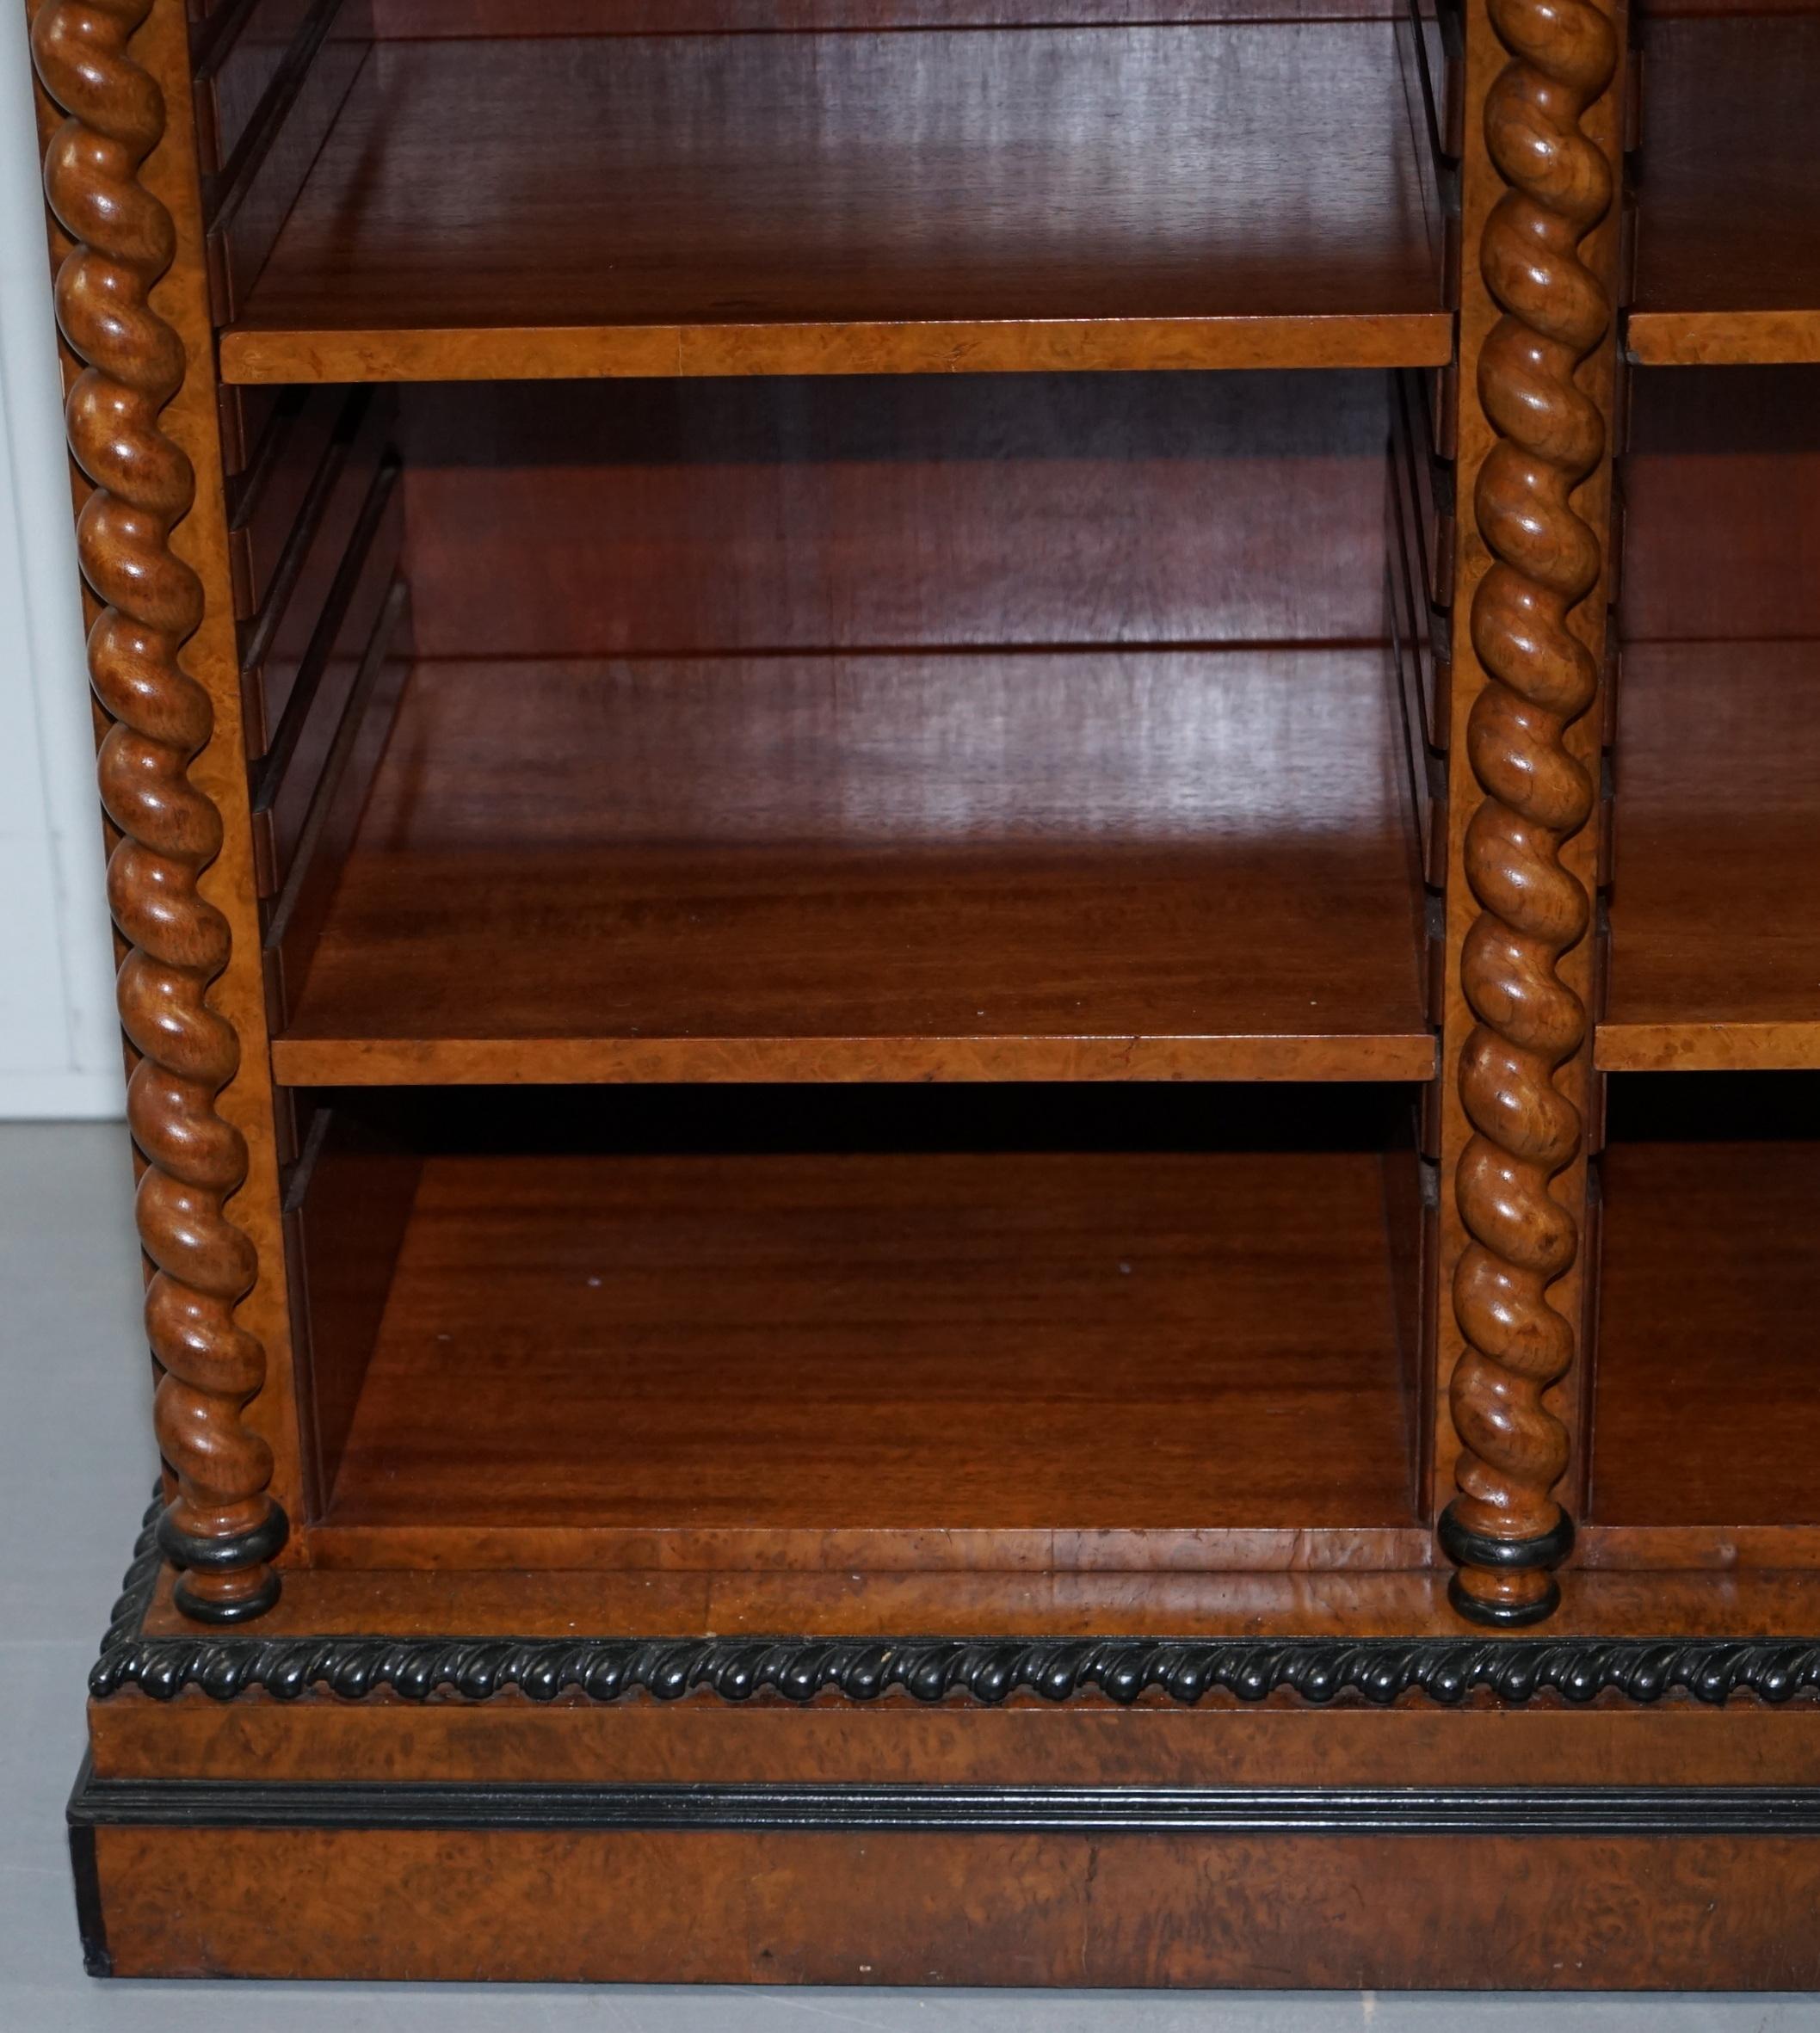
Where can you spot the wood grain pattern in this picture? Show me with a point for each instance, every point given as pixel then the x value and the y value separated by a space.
pixel 346 1211
pixel 223 1525
pixel 969 867
pixel 1721 502
pixel 1633 1601
pixel 272 497
pixel 752 204
pixel 1728 240
pixel 1715 958
pixel 774 1358
pixel 276 644
pixel 1710 1285
pixel 1721 338
pixel 1542 560
pixel 1572 1913
pixel 961 511
pixel 414 19
pixel 249 201
pixel 1036 1744
pixel 237 61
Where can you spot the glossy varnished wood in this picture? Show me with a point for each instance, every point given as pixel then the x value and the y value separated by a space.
pixel 1170 197
pixel 772 1357
pixel 854 730
pixel 1021 1743
pixel 1705 1411
pixel 1721 497
pixel 1396 1912
pixel 1333 1601
pixel 1727 236
pixel 1715 913
pixel 1166 865
pixel 1541 177
pixel 151 538
pixel 949 512
pixel 413 20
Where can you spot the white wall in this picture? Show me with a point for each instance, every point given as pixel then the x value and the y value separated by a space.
pixel 60 1045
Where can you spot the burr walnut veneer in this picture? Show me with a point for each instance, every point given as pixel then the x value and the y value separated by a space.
pixel 965 856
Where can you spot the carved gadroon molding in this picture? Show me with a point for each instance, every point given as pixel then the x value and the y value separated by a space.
pixel 1505 1530
pixel 971 1670
pixel 223 1526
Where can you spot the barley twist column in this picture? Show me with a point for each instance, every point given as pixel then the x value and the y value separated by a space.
pixel 1505 1529
pixel 223 1526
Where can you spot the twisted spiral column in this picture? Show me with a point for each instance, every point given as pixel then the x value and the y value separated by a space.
pixel 223 1526
pixel 1504 1528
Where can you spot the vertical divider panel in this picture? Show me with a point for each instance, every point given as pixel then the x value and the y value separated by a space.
pixel 1541 227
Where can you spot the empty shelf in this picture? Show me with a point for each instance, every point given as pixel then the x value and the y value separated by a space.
pixel 1153 197
pixel 981 866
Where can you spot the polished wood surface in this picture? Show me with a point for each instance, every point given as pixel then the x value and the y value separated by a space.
pixel 238 61
pixel 1728 237
pixel 1715 912
pixel 289 635
pixel 1704 1411
pixel 1082 1743
pixel 1159 866
pixel 409 20
pixel 1161 197
pixel 1311 1600
pixel 1572 1913
pixel 1721 507
pixel 348 1205
pixel 130 366
pixel 769 1350
pixel 1541 194
pixel 252 195
pixel 779 709
pixel 946 512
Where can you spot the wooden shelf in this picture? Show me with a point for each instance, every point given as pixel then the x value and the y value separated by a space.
pixel 1727 251
pixel 1715 955
pixel 1705 1411
pixel 913 1358
pixel 976 866
pixel 1140 197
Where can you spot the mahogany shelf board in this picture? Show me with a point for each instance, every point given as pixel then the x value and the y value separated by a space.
pixel 1727 211
pixel 1715 914
pixel 1704 1411
pixel 1198 196
pixel 781 1347
pixel 1192 864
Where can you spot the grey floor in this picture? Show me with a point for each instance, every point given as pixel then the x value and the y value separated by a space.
pixel 75 1463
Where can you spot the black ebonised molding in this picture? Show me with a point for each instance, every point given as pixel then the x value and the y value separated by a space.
pixel 91 1916
pixel 1313 1810
pixel 988 1669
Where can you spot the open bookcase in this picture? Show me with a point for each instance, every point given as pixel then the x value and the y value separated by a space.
pixel 967 872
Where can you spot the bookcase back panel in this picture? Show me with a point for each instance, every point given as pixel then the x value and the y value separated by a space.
pixel 698 517
pixel 1715 868
pixel 1704 1411
pixel 412 19
pixel 1721 478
